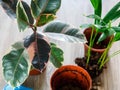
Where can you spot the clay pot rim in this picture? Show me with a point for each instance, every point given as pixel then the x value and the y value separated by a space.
pixel 100 50
pixel 73 67
pixel 95 49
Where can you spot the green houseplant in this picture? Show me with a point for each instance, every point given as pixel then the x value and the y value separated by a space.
pixel 100 36
pixel 18 63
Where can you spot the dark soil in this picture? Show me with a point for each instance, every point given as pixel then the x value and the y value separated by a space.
pixel 69 87
pixel 92 67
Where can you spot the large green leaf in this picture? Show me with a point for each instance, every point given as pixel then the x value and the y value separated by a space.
pixel 28 12
pixel 113 14
pixel 56 56
pixel 40 7
pixel 97 5
pixel 70 33
pixel 24 20
pixel 15 67
pixel 41 49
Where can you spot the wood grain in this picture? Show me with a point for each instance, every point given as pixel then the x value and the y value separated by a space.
pixel 71 12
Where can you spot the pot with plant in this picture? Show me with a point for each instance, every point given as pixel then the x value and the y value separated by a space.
pixel 30 56
pixel 100 36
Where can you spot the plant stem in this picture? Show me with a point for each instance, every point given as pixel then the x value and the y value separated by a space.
pixel 92 39
pixel 103 57
pixel 114 54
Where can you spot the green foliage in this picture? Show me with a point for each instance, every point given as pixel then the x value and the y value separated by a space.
pixel 117 36
pixel 56 56
pixel 113 14
pixel 38 13
pixel 15 65
pixel 73 34
pixel 22 18
pixel 97 5
pixel 103 26
pixel 45 18
pixel 44 10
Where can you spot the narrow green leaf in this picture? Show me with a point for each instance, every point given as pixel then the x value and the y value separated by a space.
pixel 94 17
pixel 56 56
pixel 113 14
pixel 116 29
pixel 97 5
pixel 117 36
pixel 16 67
pixel 94 3
pixel 105 34
pixel 22 18
pixel 45 18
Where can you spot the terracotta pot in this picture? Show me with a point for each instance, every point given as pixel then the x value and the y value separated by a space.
pixel 71 77
pixel 99 48
pixel 34 72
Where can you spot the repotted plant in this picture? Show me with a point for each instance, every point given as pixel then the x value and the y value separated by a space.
pixel 100 35
pixel 30 56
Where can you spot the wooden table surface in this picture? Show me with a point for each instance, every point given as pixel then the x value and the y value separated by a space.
pixel 71 12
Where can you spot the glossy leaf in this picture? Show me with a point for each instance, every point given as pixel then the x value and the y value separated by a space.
pixel 15 67
pixel 28 12
pixel 58 27
pixel 22 18
pixel 44 6
pixel 56 56
pixel 10 7
pixel 64 38
pixel 44 10
pixel 113 14
pixel 45 18
pixel 42 50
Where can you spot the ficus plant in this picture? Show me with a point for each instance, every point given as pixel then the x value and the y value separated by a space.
pixel 103 25
pixel 18 63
